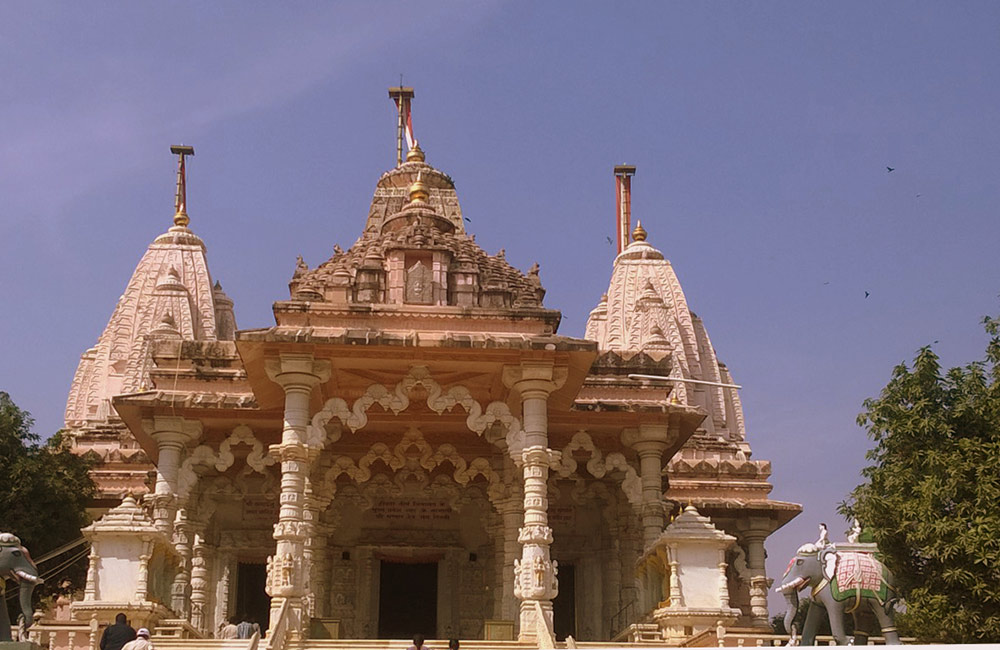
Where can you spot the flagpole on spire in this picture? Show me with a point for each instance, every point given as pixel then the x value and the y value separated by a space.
pixel 623 203
pixel 404 122
pixel 180 199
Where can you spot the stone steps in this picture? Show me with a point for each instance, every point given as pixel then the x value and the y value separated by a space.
pixel 173 643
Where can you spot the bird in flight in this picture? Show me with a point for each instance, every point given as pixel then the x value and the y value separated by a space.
pixel 467 219
pixel 867 294
pixel 826 283
pixel 609 241
pixel 891 169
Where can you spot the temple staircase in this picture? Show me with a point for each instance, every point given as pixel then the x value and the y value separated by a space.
pixel 171 643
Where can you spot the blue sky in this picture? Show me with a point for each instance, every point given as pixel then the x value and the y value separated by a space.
pixel 761 133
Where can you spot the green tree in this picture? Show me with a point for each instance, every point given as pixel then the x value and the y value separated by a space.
pixel 44 489
pixel 932 495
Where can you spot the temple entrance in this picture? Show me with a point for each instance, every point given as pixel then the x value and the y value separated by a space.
pixel 407 602
pixel 251 599
pixel 564 605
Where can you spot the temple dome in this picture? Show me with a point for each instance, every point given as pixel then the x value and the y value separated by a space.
pixel 392 192
pixel 645 310
pixel 170 295
pixel 415 250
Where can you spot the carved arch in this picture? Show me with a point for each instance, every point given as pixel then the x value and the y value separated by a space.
pixel 439 400
pixel 203 457
pixel 599 466
pixel 403 463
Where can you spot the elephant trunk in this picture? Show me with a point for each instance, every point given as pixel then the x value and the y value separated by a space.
pixel 27 588
pixel 792 598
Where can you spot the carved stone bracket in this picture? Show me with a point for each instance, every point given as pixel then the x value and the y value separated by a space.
pixel 598 465
pixel 439 400
pixel 203 457
pixel 411 458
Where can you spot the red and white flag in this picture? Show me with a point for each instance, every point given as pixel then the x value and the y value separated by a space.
pixel 407 121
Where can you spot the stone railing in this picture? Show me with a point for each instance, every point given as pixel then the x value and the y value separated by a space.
pixel 277 636
pixel 753 639
pixel 56 636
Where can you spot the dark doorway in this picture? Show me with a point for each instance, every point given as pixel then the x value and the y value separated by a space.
pixel 564 605
pixel 407 602
pixel 251 599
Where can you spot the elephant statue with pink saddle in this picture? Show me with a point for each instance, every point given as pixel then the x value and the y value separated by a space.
pixel 839 582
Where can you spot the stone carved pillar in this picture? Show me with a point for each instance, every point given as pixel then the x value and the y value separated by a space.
pixel 172 434
pixel 199 582
pixel 142 584
pixel 536 583
pixel 754 540
pixel 314 553
pixel 320 571
pixel 650 441
pixel 298 375
pixel 180 591
pixel 723 580
pixel 512 514
pixel 612 577
pixel 90 590
pixel 628 540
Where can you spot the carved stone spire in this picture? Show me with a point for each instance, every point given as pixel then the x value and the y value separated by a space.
pixel 169 294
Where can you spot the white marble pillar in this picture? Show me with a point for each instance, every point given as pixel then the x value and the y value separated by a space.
pixel 200 571
pixel 298 375
pixel 754 540
pixel 650 441
pixel 172 434
pixel 314 554
pixel 512 514
pixel 612 578
pixel 180 591
pixel 536 583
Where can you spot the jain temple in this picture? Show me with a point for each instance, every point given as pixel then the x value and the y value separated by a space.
pixel 413 446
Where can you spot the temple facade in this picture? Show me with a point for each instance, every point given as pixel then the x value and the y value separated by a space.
pixel 413 447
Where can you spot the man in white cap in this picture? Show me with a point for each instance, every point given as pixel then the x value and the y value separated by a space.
pixel 141 642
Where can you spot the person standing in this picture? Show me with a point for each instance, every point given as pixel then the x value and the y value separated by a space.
pixel 117 635
pixel 244 628
pixel 230 631
pixel 418 643
pixel 141 641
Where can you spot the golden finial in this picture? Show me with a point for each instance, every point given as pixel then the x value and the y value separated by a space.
pixel 416 154
pixel 180 201
pixel 418 191
pixel 639 234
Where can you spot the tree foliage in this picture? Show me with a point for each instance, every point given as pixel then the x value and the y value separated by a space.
pixel 44 487
pixel 932 495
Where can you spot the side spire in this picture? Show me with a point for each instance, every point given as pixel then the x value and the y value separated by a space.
pixel 402 96
pixel 180 200
pixel 623 203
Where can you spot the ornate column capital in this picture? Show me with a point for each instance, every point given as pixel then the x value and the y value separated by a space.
pixel 648 435
pixel 535 377
pixel 172 430
pixel 754 535
pixel 296 452
pixel 302 371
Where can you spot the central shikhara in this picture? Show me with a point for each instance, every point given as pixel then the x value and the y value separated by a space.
pixel 414 409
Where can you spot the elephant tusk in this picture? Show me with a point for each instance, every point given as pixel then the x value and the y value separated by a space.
pixel 21 575
pixel 796 584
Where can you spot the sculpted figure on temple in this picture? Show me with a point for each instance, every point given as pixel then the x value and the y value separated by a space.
pixel 15 562
pixel 300 267
pixel 841 583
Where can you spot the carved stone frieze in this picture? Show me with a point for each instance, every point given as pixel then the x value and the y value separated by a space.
pixel 439 400
pixel 203 458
